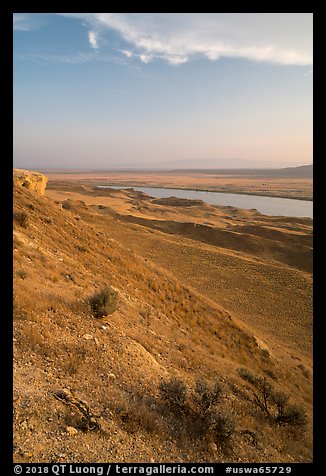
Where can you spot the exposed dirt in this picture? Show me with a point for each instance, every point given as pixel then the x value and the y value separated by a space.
pixel 202 291
pixel 270 186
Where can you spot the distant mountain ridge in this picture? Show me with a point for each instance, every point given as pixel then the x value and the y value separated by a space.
pixel 303 171
pixel 232 163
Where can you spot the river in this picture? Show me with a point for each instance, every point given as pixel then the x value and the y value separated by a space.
pixel 266 205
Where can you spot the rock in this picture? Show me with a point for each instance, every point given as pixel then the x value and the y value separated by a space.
pixel 71 431
pixel 212 447
pixel 88 336
pixel 111 375
pixel 23 425
pixel 31 180
pixel 97 342
pixel 26 454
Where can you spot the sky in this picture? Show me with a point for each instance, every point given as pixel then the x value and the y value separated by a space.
pixel 101 90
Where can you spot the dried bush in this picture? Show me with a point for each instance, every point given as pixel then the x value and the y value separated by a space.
pixel 261 389
pixel 21 273
pixel 21 218
pixel 198 413
pixel 293 415
pixel 280 399
pixel 221 424
pixel 174 393
pixel 81 248
pixel 207 397
pixel 273 402
pixel 103 302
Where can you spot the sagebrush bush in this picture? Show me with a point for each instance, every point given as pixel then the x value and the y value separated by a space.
pixel 273 403
pixel 222 425
pixel 21 273
pixel 280 400
pixel 198 413
pixel 174 393
pixel 81 248
pixel 21 218
pixel 293 415
pixel 207 397
pixel 103 302
pixel 262 391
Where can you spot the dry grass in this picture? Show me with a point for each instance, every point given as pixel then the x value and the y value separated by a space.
pixel 279 187
pixel 161 327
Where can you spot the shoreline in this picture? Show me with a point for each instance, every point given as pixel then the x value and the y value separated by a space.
pixel 231 192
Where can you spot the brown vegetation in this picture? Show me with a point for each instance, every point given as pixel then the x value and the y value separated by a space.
pixel 157 379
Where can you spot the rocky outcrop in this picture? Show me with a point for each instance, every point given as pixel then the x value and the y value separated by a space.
pixel 31 180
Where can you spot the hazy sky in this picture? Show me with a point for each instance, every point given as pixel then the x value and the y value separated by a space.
pixel 96 89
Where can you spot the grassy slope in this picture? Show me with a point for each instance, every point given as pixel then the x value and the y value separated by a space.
pixel 161 328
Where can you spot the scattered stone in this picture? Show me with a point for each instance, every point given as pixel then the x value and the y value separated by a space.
pixel 213 447
pixel 97 342
pixel 23 425
pixel 104 328
pixel 71 431
pixel 26 454
pixel 88 336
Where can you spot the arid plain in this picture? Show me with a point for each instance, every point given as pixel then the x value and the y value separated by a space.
pixel 256 182
pixel 203 291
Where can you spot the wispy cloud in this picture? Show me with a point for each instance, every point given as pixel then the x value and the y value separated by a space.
pixel 283 38
pixel 127 53
pixel 178 38
pixel 92 38
pixel 145 58
pixel 309 73
pixel 77 58
pixel 27 21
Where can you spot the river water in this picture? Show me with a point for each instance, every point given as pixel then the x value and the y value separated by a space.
pixel 266 205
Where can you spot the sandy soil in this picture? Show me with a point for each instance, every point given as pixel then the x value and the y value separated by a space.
pixel 202 291
pixel 274 187
pixel 239 258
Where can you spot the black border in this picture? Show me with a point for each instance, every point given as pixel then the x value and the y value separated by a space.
pixel 6 202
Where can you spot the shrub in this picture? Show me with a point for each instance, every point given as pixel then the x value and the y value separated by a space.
pixel 198 413
pixel 261 391
pixel 293 415
pixel 207 397
pixel 272 402
pixel 81 248
pixel 221 424
pixel 21 273
pixel 104 302
pixel 66 205
pixel 174 393
pixel 21 218
pixel 280 399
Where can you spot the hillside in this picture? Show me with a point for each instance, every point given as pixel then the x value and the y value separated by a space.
pixel 302 171
pixel 88 388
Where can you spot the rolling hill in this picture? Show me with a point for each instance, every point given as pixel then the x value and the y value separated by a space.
pixel 171 373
